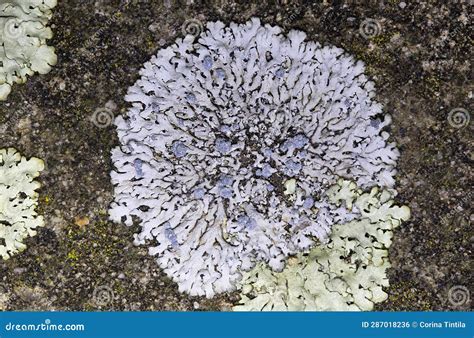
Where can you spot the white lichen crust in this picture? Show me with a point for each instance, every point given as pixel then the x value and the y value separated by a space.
pixel 229 147
pixel 18 200
pixel 345 274
pixel 23 35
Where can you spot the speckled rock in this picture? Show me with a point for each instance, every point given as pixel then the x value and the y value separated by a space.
pixel 417 55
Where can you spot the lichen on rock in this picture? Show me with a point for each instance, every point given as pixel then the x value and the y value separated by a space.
pixel 18 200
pixel 345 274
pixel 23 35
pixel 231 142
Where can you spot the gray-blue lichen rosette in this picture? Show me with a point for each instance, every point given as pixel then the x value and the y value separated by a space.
pixel 231 143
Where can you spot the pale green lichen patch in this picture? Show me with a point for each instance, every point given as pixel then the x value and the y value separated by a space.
pixel 347 273
pixel 23 35
pixel 18 200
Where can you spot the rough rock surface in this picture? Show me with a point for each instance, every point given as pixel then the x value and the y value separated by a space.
pixel 418 59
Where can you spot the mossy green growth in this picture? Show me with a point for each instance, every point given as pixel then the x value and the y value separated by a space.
pixel 18 200
pixel 345 274
pixel 23 35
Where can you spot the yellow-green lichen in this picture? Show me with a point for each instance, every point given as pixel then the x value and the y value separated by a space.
pixel 23 35
pixel 345 274
pixel 18 200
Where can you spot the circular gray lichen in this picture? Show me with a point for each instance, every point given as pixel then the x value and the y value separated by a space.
pixel 231 142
